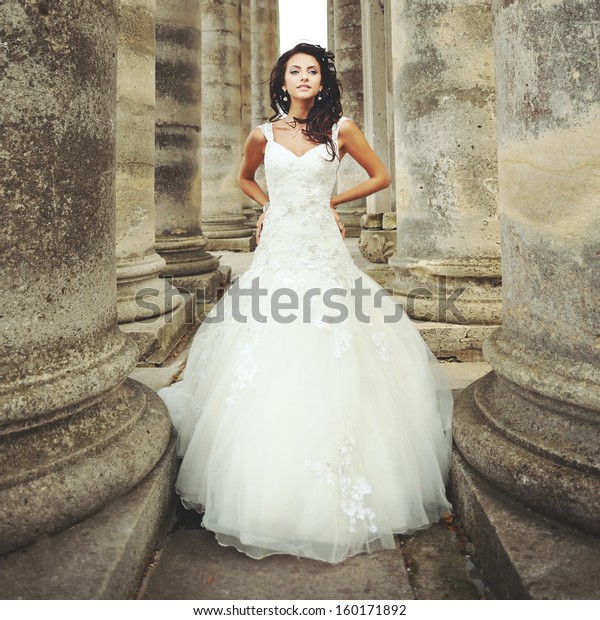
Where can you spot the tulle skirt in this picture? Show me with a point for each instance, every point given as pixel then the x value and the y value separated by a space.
pixel 308 437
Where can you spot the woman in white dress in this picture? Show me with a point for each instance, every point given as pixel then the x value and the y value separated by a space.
pixel 312 419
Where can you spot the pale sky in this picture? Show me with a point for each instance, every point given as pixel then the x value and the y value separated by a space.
pixel 302 20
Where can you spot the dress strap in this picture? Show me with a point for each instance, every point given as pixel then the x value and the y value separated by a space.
pixel 336 128
pixel 267 129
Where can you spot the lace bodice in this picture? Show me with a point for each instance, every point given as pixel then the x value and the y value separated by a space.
pixel 300 236
pixel 304 181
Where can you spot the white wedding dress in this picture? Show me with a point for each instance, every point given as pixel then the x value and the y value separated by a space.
pixel 305 436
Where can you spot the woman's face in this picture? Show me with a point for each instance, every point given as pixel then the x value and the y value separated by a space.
pixel 302 76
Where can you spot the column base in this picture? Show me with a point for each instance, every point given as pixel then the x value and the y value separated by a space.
pixel 228 232
pixel 206 289
pixel 141 294
pixel 463 291
pixel 531 447
pixel 377 245
pixel 462 342
pixel 350 216
pixel 157 336
pixel 450 340
pixel 102 557
pixel 232 244
pixel 523 553
pixel 251 214
pixel 383 274
pixel 185 255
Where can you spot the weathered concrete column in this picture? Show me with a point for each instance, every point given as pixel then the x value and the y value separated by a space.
pixel 179 236
pixel 245 73
pixel 264 35
pixel 223 220
pixel 75 433
pixel 150 309
pixel 262 50
pixel 447 262
pixel 528 433
pixel 347 40
pixel 246 95
pixel 378 239
pixel 376 74
pixel 330 26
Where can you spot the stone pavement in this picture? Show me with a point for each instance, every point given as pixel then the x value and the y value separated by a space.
pixel 436 563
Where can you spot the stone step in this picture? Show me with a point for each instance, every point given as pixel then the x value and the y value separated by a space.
pixel 427 565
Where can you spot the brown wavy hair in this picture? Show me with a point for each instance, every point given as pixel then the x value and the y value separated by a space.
pixel 326 111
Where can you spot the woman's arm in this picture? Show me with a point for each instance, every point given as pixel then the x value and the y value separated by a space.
pixel 351 140
pixel 254 153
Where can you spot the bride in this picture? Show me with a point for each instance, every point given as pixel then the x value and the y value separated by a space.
pixel 312 419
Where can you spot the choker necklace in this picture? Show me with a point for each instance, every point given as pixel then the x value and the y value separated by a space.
pixel 293 125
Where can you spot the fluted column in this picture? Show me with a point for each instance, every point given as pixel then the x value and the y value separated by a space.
pixel 179 235
pixel 223 220
pixel 245 74
pixel 376 76
pixel 529 429
pixel 265 51
pixel 447 261
pixel 262 51
pixel 330 26
pixel 75 433
pixel 347 42
pixel 246 95
pixel 149 308
pixel 378 233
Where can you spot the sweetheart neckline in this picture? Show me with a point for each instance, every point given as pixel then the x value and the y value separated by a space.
pixel 292 152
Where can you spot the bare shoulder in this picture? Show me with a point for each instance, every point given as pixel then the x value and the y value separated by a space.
pixel 350 137
pixel 256 137
pixel 349 128
pixel 255 144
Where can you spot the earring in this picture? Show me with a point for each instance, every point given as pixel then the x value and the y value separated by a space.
pixel 319 97
pixel 285 95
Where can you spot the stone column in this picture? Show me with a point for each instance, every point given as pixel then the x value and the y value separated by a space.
pixel 447 261
pixel 75 433
pixel 246 95
pixel 223 220
pixel 349 64
pixel 376 89
pixel 263 51
pixel 378 225
pixel 330 26
pixel 149 308
pixel 246 78
pixel 179 235
pixel 527 433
